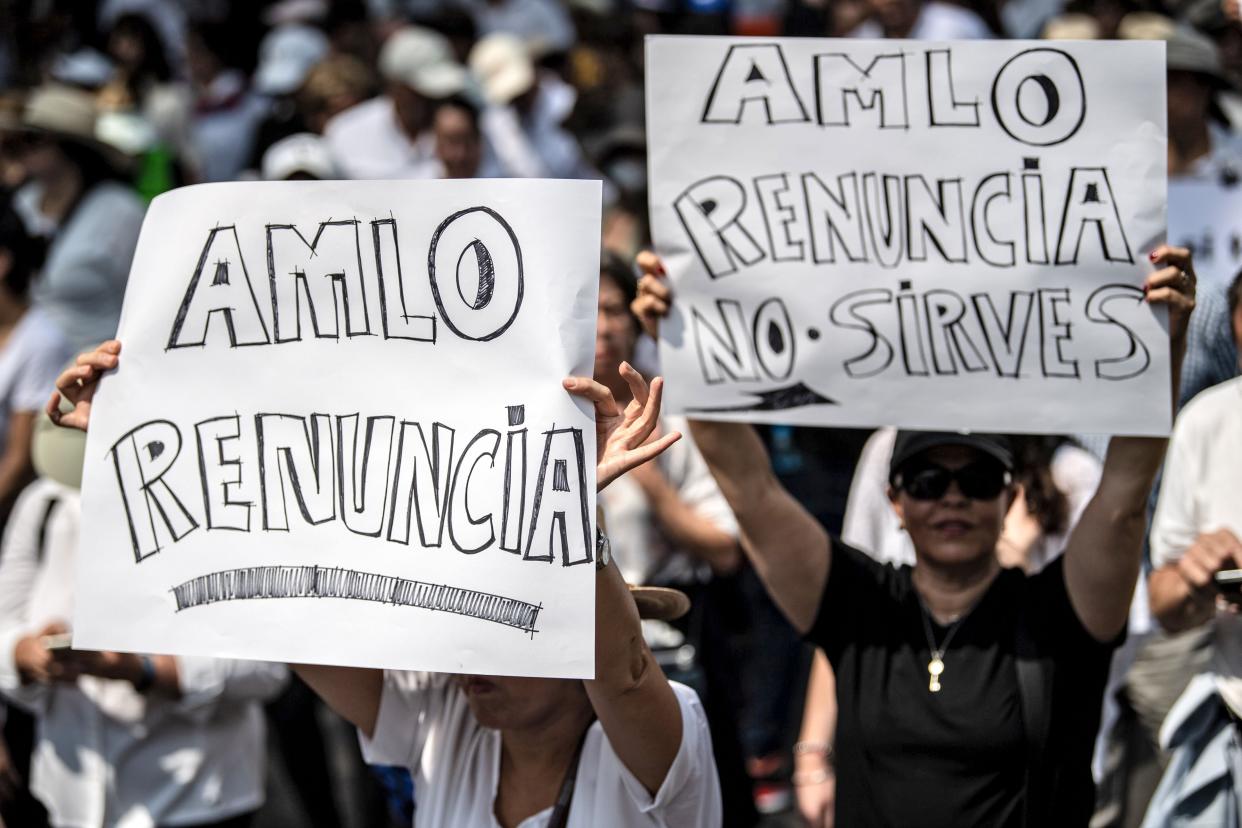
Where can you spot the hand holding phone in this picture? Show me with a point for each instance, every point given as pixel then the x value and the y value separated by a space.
pixel 1229 585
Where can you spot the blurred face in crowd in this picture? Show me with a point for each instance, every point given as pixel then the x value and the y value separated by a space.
pixel 413 110
pixel 458 145
pixel 521 703
pixel 1188 101
pixel 616 332
pixel 203 64
pixel 896 16
pixel 127 48
pixel 40 156
pixel 953 529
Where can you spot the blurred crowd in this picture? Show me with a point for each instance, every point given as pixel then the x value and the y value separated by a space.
pixel 105 105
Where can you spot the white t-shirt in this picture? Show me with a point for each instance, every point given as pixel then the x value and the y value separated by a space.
pixel 642 552
pixel 367 142
pixel 936 21
pixel 425 724
pixel 30 361
pixel 1202 492
pixel 107 756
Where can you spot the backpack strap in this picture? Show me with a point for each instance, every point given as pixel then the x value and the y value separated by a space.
pixel 48 509
pixel 1035 696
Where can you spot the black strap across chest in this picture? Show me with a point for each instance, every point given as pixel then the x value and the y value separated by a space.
pixel 560 811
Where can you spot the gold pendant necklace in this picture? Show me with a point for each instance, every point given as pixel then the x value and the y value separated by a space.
pixel 935 667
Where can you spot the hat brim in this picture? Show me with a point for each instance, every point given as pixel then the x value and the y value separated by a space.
pixel 659 603
pixel 911 444
pixel 113 157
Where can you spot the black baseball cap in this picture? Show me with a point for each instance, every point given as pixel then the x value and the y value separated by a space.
pixel 912 443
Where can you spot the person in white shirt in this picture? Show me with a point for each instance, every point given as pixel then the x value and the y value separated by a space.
pixel 627 748
pixel 390 136
pixel 459 145
pixel 1196 534
pixel 122 740
pixel 523 123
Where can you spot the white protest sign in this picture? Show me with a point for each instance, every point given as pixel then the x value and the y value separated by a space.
pixel 1206 216
pixel 338 432
pixel 929 235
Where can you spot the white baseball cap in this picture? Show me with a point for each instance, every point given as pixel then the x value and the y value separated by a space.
pixel 503 65
pixel 286 56
pixel 304 152
pixel 422 60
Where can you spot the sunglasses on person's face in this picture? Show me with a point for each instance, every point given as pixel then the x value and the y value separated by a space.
pixel 980 480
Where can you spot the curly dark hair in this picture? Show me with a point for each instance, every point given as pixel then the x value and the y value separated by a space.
pixel 1032 460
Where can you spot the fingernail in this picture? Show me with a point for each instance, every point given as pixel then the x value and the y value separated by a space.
pixel 1145 289
pixel 660 269
pixel 1152 255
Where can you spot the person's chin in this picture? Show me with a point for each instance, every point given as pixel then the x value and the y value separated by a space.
pixel 957 553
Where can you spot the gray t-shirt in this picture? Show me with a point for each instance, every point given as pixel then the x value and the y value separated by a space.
pixel 29 363
pixel 83 279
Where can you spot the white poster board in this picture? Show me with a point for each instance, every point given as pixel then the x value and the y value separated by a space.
pixel 928 235
pixel 338 432
pixel 1206 216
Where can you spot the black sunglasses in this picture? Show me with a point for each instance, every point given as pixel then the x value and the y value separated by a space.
pixel 980 480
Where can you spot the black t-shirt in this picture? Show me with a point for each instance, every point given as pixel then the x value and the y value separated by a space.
pixel 908 757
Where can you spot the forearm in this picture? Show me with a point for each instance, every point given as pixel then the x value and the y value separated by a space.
pixel 352 692
pixel 1176 605
pixel 819 715
pixel 688 530
pixel 789 549
pixel 630 695
pixel 1104 554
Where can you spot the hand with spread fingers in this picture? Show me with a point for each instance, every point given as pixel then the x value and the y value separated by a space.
pixel 78 384
pixel 621 436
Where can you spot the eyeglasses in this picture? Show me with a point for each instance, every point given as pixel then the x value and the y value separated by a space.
pixel 980 480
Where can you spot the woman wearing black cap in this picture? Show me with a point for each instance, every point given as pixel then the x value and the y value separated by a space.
pixel 967 694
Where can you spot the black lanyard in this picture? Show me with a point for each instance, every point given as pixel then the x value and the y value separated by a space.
pixel 560 811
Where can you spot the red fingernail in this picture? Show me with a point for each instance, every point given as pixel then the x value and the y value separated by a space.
pixel 1152 255
pixel 661 270
pixel 1144 290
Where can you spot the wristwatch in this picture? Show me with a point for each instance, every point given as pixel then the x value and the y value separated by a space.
pixel 603 550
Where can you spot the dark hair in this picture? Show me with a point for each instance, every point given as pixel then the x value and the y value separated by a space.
pixel 616 269
pixel 1032 456
pixel 23 249
pixel 155 66
pixel 465 105
pixel 1235 294
pixel 91 163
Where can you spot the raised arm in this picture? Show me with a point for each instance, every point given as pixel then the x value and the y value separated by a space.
pixel 630 695
pixel 1103 556
pixel 788 547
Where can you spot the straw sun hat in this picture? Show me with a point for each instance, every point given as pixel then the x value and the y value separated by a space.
pixel 66 114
